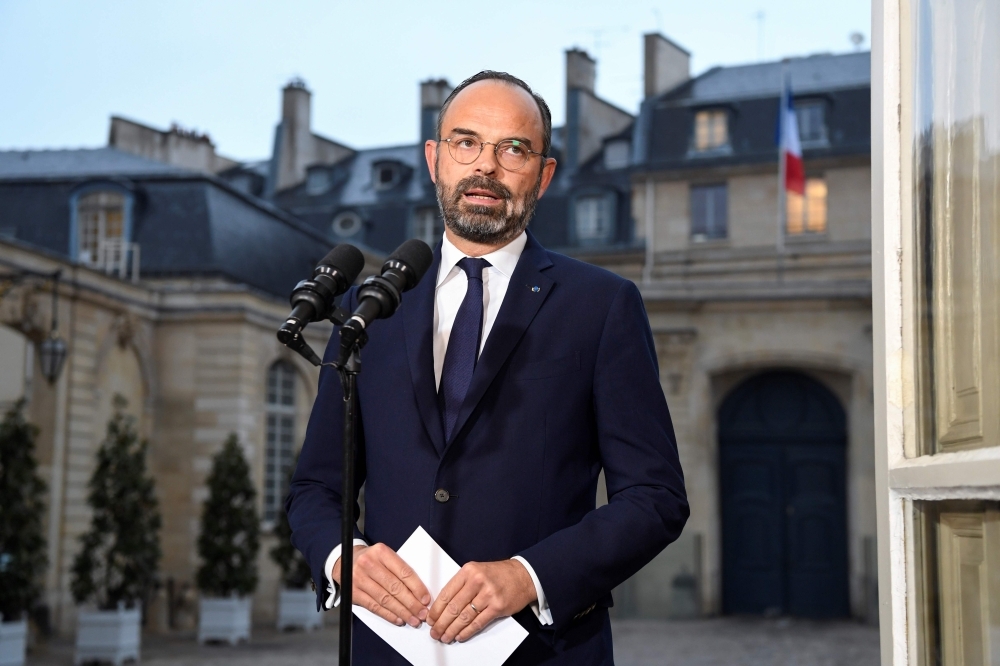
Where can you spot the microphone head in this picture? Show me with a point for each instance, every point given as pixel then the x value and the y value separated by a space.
pixel 416 256
pixel 347 259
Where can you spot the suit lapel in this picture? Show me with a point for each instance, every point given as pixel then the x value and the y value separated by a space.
pixel 418 325
pixel 520 304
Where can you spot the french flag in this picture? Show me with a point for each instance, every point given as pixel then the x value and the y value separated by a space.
pixel 789 147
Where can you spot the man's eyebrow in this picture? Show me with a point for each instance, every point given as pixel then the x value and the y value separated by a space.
pixel 467 132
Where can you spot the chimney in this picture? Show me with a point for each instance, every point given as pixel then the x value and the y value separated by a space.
pixel 581 71
pixel 295 149
pixel 433 93
pixel 666 64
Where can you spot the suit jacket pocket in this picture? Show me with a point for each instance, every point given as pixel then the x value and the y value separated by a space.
pixel 549 367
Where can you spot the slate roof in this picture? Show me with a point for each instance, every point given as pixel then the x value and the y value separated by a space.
pixel 186 223
pixel 387 213
pixel 816 73
pixel 664 131
pixel 84 162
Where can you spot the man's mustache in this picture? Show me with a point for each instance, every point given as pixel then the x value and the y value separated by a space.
pixel 482 183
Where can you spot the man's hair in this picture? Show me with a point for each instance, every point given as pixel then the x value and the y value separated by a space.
pixel 490 75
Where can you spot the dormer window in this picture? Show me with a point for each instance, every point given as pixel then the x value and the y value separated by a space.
pixel 811 118
pixel 385 175
pixel 101 229
pixel 711 130
pixel 317 181
pixel 594 219
pixel 617 154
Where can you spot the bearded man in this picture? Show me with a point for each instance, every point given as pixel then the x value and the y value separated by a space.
pixel 509 379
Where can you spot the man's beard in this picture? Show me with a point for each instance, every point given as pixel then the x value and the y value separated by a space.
pixel 486 225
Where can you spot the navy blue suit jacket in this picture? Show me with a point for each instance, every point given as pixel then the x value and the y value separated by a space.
pixel 567 384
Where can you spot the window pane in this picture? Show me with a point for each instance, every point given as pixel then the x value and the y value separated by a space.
pixel 958 570
pixel 280 438
pixel 816 205
pixel 807 214
pixel 709 212
pixel 796 210
pixel 810 117
pixel 957 209
pixel 100 217
pixel 594 219
pixel 710 130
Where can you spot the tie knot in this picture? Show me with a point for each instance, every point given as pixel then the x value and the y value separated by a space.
pixel 474 267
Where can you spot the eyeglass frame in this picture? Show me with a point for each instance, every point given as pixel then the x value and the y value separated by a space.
pixel 496 145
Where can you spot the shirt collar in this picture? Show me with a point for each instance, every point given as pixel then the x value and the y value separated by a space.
pixel 503 260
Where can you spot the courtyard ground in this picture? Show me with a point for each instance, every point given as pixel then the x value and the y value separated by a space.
pixel 711 642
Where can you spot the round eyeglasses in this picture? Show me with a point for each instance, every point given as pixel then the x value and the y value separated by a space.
pixel 511 154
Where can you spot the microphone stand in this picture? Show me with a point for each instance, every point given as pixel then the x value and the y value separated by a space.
pixel 348 367
pixel 348 377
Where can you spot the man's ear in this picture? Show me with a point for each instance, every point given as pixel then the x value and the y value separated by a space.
pixel 548 171
pixel 430 154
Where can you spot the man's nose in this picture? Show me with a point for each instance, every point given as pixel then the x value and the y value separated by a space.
pixel 486 163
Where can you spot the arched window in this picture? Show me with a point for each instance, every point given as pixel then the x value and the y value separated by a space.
pixel 279 452
pixel 100 226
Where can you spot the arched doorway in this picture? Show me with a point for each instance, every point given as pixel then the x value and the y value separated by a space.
pixel 782 461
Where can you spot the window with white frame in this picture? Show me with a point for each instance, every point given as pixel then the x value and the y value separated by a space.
pixel 100 222
pixel 936 281
pixel 709 212
pixel 806 213
pixel 810 115
pixel 594 218
pixel 427 225
pixel 711 130
pixel 279 448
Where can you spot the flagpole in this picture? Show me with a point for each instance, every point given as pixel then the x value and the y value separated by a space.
pixel 782 162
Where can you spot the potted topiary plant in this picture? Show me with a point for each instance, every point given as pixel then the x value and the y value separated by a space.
pixel 22 546
pixel 115 570
pixel 296 601
pixel 228 545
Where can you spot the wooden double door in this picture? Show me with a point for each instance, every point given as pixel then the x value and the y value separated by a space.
pixel 782 445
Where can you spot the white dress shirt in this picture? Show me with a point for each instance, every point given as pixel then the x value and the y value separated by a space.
pixel 451 286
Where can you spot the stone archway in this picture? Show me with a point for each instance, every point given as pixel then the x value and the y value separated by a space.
pixel 782 466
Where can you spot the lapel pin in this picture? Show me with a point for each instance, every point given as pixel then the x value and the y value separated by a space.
pixel 536 289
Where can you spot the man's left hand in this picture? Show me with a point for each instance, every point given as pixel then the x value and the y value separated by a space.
pixel 478 594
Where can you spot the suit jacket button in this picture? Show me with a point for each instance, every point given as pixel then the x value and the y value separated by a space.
pixel 442 495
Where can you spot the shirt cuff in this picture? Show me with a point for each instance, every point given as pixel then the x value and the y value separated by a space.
pixel 540 607
pixel 333 600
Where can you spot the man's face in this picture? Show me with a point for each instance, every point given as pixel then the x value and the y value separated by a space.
pixel 483 202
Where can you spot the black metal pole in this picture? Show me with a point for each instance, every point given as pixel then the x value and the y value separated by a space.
pixel 349 376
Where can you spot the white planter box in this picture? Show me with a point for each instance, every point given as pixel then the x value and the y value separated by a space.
pixel 226 619
pixel 13 642
pixel 297 610
pixel 107 635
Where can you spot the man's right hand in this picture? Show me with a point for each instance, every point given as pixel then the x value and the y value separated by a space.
pixel 387 586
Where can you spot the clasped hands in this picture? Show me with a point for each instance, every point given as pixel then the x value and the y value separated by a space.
pixel 478 594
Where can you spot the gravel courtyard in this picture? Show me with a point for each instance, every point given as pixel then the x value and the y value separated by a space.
pixel 713 642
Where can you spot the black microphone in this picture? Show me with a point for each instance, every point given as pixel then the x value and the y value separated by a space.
pixel 313 299
pixel 380 295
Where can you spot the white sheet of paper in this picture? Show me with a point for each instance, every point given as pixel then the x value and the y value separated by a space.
pixel 435 568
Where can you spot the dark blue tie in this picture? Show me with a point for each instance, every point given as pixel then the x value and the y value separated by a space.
pixel 463 345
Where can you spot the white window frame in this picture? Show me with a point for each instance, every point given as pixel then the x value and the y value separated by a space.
pixel 276 483
pixel 903 475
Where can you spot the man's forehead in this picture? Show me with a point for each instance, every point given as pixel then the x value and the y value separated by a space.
pixel 494 102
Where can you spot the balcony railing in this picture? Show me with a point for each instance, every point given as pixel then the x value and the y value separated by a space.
pixel 115 257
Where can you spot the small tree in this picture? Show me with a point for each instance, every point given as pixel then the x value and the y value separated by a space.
pixel 230 529
pixel 121 550
pixel 22 503
pixel 295 571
